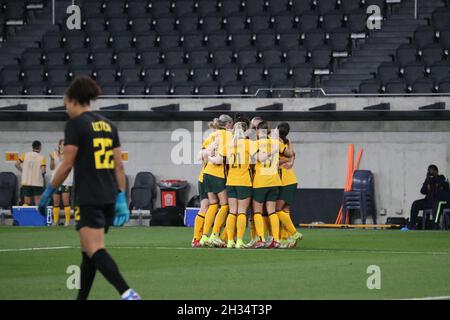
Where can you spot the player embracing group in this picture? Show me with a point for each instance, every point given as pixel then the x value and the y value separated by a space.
pixel 246 167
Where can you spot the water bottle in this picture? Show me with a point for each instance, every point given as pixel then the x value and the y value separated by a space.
pixel 49 216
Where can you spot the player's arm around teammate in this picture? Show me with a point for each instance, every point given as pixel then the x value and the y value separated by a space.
pixel 289 234
pixel 214 182
pixel 239 186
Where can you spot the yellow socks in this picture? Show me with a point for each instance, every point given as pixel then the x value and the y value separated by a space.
pixel 284 234
pixel 286 221
pixel 198 225
pixel 231 226
pixel 223 235
pixel 209 218
pixel 259 226
pixel 241 224
pixel 56 215
pixel 220 219
pixel 275 225
pixel 67 214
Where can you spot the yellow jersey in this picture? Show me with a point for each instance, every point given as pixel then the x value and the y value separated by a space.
pixel 205 145
pixel 239 164
pixel 266 173
pixel 225 139
pixel 288 176
pixel 31 169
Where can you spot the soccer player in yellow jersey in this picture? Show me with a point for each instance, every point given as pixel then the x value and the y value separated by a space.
pixel 204 202
pixel 287 191
pixel 214 181
pixel 266 183
pixel 32 165
pixel 239 186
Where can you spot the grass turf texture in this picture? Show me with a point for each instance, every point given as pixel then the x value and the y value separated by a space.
pixel 159 264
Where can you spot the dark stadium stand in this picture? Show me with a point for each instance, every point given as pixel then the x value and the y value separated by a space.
pixel 209 47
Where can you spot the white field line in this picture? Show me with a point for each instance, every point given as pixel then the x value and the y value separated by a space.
pixel 243 250
pixel 35 249
pixel 430 298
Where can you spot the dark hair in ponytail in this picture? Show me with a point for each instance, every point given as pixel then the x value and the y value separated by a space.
pixel 283 131
pixel 83 90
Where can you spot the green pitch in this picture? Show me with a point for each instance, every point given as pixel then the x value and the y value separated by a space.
pixel 159 264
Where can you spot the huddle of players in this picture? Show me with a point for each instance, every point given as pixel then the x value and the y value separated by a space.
pixel 246 167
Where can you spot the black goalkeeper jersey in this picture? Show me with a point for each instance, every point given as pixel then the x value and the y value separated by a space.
pixel 94 176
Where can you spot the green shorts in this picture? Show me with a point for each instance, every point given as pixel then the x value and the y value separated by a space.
pixel 63 189
pixel 262 195
pixel 201 191
pixel 238 192
pixel 213 184
pixel 287 193
pixel 30 191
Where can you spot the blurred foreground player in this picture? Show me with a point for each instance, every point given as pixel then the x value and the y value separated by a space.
pixel 92 147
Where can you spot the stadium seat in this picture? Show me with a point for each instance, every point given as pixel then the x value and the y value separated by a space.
pixel 283 23
pixel 208 90
pixel 371 86
pixel 206 7
pixel 356 22
pixel 395 86
pixel 339 40
pixel 100 40
pixel 313 39
pixel 80 70
pixel 10 74
pixel 387 71
pixel 12 89
pixel 431 54
pixel 229 7
pixel 143 192
pixel 145 41
pixel 332 20
pixel 271 57
pixel 253 74
pixel 198 58
pixel 31 57
pixel 424 36
pixel 439 71
pixel 277 7
pixel 211 24
pixel 444 38
pixel 154 75
pixel 118 24
pixel 73 40
pixel 222 57
pixel 296 57
pixel 105 74
pixel 406 54
pixel 125 58
pixel 149 58
pixel 55 57
pixel 303 75
pixel 135 8
pixel 140 25
pixel 308 21
pixel 57 75
pixel 166 42
pixel 173 57
pixel 130 75
pixel 228 75
pixel 163 25
pixel 441 19
pixel 266 40
pixel 111 89
pixel 183 7
pixel 423 85
pixel 135 88
pixel 180 75
pixel 33 75
pixel 235 24
pixel 102 58
pixel 444 85
pixel 413 72
pixel 324 6
pixel 321 57
pixel 260 24
pixel 203 76
pixel 301 6
pixel 278 74
pixel 160 89
pixel 187 25
pixel 347 6
pixel 159 8
pixel 51 40
pixel 289 41
pixel 247 58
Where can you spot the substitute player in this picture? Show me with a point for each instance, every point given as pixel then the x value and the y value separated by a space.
pixel 92 147
pixel 239 186
pixel 64 191
pixel 287 191
pixel 32 165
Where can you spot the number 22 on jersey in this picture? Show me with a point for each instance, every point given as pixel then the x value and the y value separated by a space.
pixel 104 156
